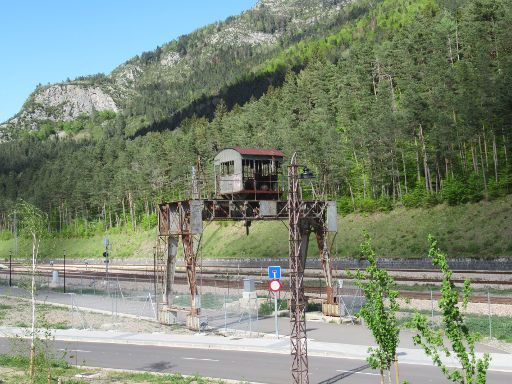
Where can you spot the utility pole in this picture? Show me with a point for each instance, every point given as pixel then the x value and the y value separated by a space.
pixel 298 337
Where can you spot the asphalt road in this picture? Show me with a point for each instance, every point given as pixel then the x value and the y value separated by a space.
pixel 237 365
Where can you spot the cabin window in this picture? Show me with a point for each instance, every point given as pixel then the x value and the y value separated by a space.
pixel 227 168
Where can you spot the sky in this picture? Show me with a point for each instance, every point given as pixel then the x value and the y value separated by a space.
pixel 51 40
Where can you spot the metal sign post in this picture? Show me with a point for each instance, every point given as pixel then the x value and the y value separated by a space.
pixel 275 286
pixel 275 314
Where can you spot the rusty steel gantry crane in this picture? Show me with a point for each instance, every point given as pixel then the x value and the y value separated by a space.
pixel 183 221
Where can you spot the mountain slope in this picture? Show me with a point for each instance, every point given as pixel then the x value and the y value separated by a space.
pixel 405 104
pixel 156 84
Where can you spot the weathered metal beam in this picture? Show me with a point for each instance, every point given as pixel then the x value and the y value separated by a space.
pixel 170 220
pixel 298 234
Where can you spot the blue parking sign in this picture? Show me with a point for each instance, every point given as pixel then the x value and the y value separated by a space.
pixel 274 272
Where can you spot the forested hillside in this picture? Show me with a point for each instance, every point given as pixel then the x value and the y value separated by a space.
pixel 404 103
pixel 156 89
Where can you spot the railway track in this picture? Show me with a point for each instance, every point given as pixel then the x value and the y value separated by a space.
pixel 223 269
pixel 231 278
pixel 411 276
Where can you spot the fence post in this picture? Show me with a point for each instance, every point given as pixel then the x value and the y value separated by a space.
pixel 250 318
pixel 10 268
pixel 490 316
pixel 225 314
pixel 227 278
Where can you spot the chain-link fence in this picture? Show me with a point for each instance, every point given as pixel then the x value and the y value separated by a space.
pixel 226 306
pixel 489 311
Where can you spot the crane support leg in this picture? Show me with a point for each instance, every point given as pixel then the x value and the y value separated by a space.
pixel 172 250
pixel 190 265
pixel 325 258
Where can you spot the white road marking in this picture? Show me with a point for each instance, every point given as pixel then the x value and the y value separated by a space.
pixel 195 358
pixel 359 373
pixel 74 350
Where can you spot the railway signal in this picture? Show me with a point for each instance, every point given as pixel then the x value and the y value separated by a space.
pixel 106 243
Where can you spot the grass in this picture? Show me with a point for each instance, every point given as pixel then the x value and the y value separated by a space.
pixel 18 372
pixel 501 326
pixel 122 245
pixel 471 230
pixel 14 367
pixel 147 377
pixel 3 310
pixel 43 312
pixel 479 230
pixel 437 288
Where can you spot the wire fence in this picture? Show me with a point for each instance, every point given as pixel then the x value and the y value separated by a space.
pixel 226 306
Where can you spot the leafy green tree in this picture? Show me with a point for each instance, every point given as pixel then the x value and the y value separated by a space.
pixel 462 341
pixel 379 311
pixel 33 223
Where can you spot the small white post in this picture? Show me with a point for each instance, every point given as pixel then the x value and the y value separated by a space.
pixel 225 315
pixel 275 314
pixel 490 317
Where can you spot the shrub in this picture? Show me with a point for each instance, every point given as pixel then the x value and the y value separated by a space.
pixel 496 189
pixel 454 191
pixel 344 205
pixel 368 205
pixel 475 188
pixel 148 221
pixel 266 309
pixel 5 235
pixel 415 198
pixel 460 191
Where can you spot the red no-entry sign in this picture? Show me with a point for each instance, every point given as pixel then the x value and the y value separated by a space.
pixel 275 285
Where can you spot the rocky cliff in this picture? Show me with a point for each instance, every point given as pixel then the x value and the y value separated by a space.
pixel 250 37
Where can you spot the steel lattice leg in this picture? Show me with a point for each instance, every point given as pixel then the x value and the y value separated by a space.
pixel 298 235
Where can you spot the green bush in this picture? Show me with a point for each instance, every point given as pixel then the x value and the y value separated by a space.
pixel 496 189
pixel 344 205
pixel 419 197
pixel 460 191
pixel 5 235
pixel 475 188
pixel 267 308
pixel 431 199
pixel 148 221
pixel 368 205
pixel 454 191
pixel 82 229
pixel 415 198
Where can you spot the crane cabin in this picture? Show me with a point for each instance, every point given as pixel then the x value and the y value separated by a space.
pixel 248 173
